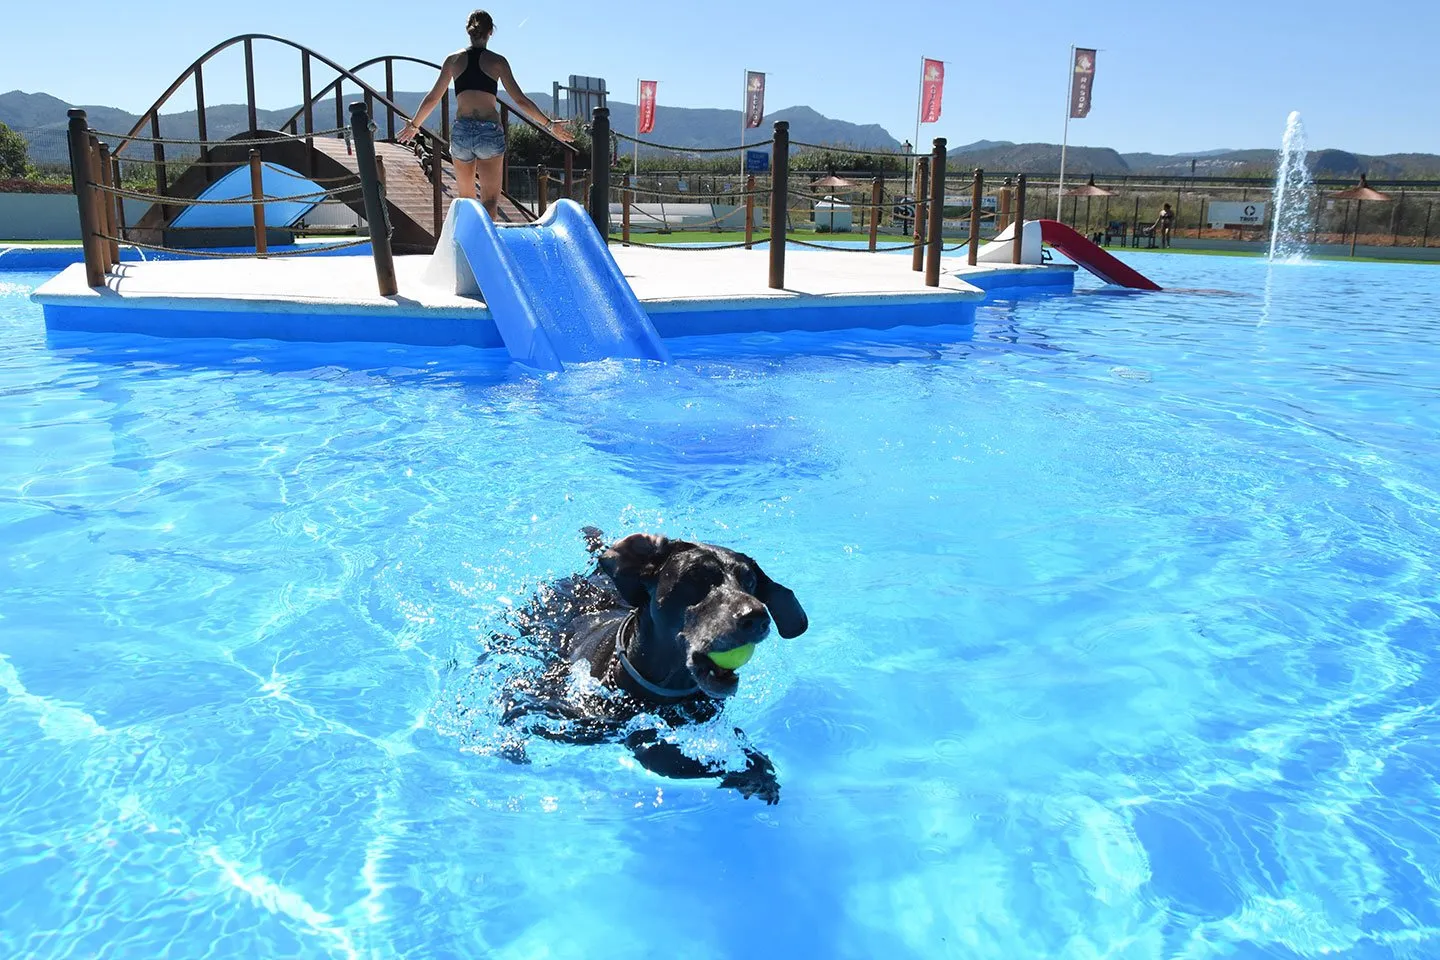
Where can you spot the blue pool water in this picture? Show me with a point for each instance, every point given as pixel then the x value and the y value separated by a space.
pixel 1123 640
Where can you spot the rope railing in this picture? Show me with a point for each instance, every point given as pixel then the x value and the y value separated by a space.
pixel 171 201
pixel 309 250
pixel 697 197
pixel 677 149
pixel 96 172
pixel 683 247
pixel 858 151
pixel 247 142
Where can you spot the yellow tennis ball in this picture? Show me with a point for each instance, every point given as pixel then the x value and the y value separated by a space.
pixel 733 659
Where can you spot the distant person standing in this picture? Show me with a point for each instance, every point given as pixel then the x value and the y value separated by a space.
pixel 1164 225
pixel 477 141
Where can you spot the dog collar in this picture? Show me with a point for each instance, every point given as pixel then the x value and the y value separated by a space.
pixel 646 685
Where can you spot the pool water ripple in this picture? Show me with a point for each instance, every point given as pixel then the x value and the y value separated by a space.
pixel 1123 638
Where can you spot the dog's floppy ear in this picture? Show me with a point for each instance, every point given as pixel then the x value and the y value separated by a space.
pixel 634 564
pixel 784 609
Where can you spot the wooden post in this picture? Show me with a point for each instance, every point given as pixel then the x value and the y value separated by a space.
pixel 876 190
pixel 389 96
pixel 1135 226
pixel 750 212
pixel 257 194
pixel 625 199
pixel 201 133
pixel 1355 234
pixel 1395 219
pixel 445 116
pixel 250 85
pixel 1002 208
pixel 1017 248
pixel 437 200
pixel 599 194
pixel 119 202
pixel 779 202
pixel 111 218
pixel 937 212
pixel 922 206
pixel 1429 208
pixel 79 136
pixel 542 190
pixel 162 183
pixel 375 216
pixel 977 193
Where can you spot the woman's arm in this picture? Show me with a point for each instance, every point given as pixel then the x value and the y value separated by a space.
pixel 557 130
pixel 428 104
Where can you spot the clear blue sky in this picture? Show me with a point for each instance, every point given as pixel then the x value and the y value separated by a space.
pixel 1172 76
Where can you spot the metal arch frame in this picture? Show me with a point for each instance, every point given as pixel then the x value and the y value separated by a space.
pixel 343 74
pixel 354 72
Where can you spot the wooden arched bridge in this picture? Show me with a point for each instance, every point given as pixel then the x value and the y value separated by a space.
pixel 419 178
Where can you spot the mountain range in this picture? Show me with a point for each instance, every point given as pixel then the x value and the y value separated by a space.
pixel 41 119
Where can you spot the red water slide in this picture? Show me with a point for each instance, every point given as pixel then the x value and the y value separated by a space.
pixel 1092 257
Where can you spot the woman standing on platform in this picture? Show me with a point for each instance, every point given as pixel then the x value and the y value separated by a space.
pixel 477 141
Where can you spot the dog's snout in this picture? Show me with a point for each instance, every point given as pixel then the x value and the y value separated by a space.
pixel 754 618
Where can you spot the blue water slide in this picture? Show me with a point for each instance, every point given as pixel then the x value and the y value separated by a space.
pixel 554 290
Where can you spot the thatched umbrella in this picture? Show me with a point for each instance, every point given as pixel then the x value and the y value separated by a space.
pixel 1091 190
pixel 1359 193
pixel 831 182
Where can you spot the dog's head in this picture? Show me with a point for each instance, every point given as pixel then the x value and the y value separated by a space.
pixel 701 599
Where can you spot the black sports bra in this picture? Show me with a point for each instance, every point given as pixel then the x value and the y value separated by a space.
pixel 472 77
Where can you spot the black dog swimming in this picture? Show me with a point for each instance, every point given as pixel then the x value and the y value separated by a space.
pixel 646 620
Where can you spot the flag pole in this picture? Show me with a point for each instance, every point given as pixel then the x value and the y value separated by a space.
pixel 919 103
pixel 1065 141
pixel 744 108
pixel 635 165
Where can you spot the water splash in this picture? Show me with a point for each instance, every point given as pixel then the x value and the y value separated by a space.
pixel 1294 193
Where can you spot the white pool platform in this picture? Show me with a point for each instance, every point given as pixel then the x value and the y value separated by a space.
pixel 686 292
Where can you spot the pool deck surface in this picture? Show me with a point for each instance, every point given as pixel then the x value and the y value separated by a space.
pixel 685 292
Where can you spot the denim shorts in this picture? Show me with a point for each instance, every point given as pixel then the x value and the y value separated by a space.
pixel 472 139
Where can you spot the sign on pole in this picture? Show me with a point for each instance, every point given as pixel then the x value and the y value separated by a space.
pixel 932 90
pixel 647 105
pixel 757 161
pixel 1083 83
pixel 754 99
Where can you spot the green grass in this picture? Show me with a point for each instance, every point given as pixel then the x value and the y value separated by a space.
pixel 39 243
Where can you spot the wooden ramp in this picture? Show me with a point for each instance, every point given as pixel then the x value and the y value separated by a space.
pixel 409 193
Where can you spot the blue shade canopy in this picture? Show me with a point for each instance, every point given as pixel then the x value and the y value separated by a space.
pixel 276 181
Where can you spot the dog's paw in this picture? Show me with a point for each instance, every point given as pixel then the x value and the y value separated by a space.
pixel 756 780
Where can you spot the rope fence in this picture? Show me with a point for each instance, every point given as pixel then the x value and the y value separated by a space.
pixel 315 197
pixel 224 255
pixel 250 142
pixel 95 172
pixel 668 148
pixel 788 200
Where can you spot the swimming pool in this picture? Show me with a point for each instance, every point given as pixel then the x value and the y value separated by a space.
pixel 1123 636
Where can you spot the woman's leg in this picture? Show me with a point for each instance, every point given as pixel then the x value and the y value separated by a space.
pixel 491 171
pixel 465 179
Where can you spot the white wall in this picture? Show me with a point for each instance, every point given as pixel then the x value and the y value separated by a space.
pixel 49 216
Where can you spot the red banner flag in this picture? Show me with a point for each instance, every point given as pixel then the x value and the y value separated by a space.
pixel 754 99
pixel 647 106
pixel 932 90
pixel 1082 83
